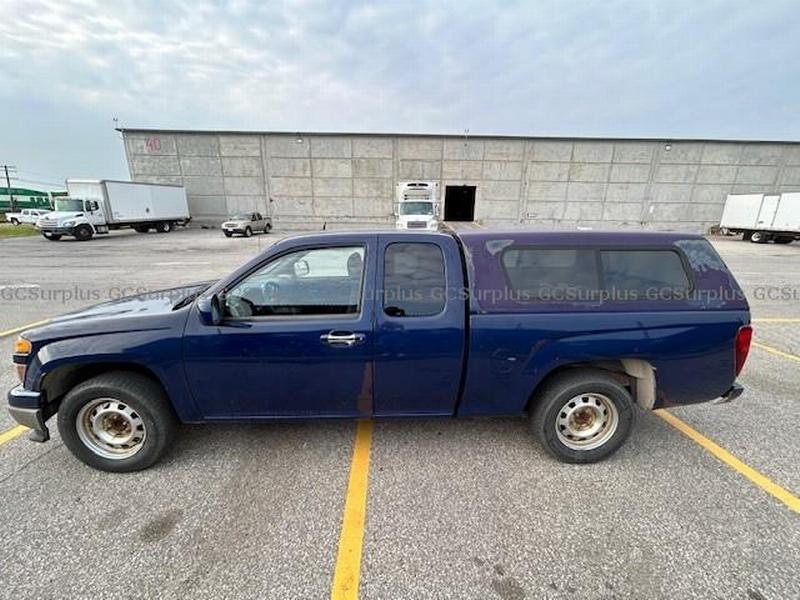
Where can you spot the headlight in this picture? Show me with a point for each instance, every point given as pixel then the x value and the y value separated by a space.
pixel 22 350
pixel 68 223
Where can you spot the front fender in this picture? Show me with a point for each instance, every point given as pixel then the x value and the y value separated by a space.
pixel 157 351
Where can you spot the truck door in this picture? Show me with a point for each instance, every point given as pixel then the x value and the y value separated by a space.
pixel 296 339
pixel 420 317
pixel 767 213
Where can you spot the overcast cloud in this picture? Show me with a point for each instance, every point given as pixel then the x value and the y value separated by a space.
pixel 666 69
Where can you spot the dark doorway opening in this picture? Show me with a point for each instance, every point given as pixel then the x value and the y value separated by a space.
pixel 459 203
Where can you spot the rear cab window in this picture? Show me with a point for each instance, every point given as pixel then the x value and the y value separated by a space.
pixel 414 280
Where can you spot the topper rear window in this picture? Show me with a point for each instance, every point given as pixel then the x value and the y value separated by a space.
pixel 592 274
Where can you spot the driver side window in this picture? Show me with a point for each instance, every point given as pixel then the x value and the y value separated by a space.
pixel 319 281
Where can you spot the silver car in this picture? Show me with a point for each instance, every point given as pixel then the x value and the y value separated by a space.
pixel 247 224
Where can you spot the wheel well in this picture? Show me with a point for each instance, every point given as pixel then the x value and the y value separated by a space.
pixel 60 381
pixel 635 374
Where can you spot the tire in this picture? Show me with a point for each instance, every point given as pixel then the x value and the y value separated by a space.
pixel 164 227
pixel 53 237
pixel 227 234
pixel 131 401
pixel 83 233
pixel 757 237
pixel 248 232
pixel 783 239
pixel 141 228
pixel 563 406
pixel 14 221
pixel 268 228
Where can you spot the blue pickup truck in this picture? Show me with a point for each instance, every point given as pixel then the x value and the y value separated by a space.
pixel 572 329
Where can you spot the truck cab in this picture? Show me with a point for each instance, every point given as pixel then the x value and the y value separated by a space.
pixel 78 217
pixel 417 205
pixel 573 330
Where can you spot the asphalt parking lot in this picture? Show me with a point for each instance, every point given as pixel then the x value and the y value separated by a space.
pixel 454 508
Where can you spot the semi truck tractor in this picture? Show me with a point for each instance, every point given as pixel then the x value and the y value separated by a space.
pixel 98 206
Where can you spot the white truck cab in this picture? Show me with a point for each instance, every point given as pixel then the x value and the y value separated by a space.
pixel 417 205
pixel 73 216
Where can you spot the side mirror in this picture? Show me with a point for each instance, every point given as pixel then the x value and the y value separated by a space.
pixel 210 310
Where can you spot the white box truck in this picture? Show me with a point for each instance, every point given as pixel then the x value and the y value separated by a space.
pixel 762 218
pixel 98 206
pixel 417 205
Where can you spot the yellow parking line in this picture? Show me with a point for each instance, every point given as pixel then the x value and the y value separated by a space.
pixel 775 320
pixel 351 539
pixel 12 433
pixel 789 499
pixel 22 328
pixel 775 351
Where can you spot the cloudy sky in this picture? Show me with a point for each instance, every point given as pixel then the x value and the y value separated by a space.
pixel 660 68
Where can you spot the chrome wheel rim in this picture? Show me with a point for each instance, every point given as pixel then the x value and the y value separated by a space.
pixel 586 421
pixel 110 428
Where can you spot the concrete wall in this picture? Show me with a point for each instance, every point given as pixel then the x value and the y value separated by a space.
pixel 349 180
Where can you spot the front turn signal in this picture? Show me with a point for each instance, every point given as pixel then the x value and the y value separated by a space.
pixel 22 346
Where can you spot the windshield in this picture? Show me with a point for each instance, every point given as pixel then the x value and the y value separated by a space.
pixel 416 208
pixel 69 205
pixel 241 217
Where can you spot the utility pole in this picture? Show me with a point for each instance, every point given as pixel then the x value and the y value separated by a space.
pixel 13 204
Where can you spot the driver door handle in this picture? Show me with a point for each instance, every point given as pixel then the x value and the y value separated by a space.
pixel 342 338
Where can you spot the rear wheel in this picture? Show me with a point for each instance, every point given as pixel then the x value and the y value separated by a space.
pixel 117 422
pixel 267 227
pixel 758 237
pixel 784 239
pixel 164 227
pixel 141 228
pixel 583 416
pixel 83 233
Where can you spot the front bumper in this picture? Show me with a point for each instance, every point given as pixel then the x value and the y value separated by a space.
pixel 56 230
pixel 25 407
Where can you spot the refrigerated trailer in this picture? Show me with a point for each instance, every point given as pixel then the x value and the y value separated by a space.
pixel 762 218
pixel 98 206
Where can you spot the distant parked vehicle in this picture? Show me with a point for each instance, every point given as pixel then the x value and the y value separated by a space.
pixel 247 224
pixel 26 215
pixel 761 218
pixel 98 206
pixel 417 205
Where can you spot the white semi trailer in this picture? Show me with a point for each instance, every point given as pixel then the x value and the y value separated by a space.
pixel 762 218
pixel 417 205
pixel 98 206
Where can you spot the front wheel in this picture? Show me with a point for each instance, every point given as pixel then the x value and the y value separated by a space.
pixel 15 221
pixel 583 416
pixel 83 233
pixel 248 232
pixel 53 237
pixel 117 422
